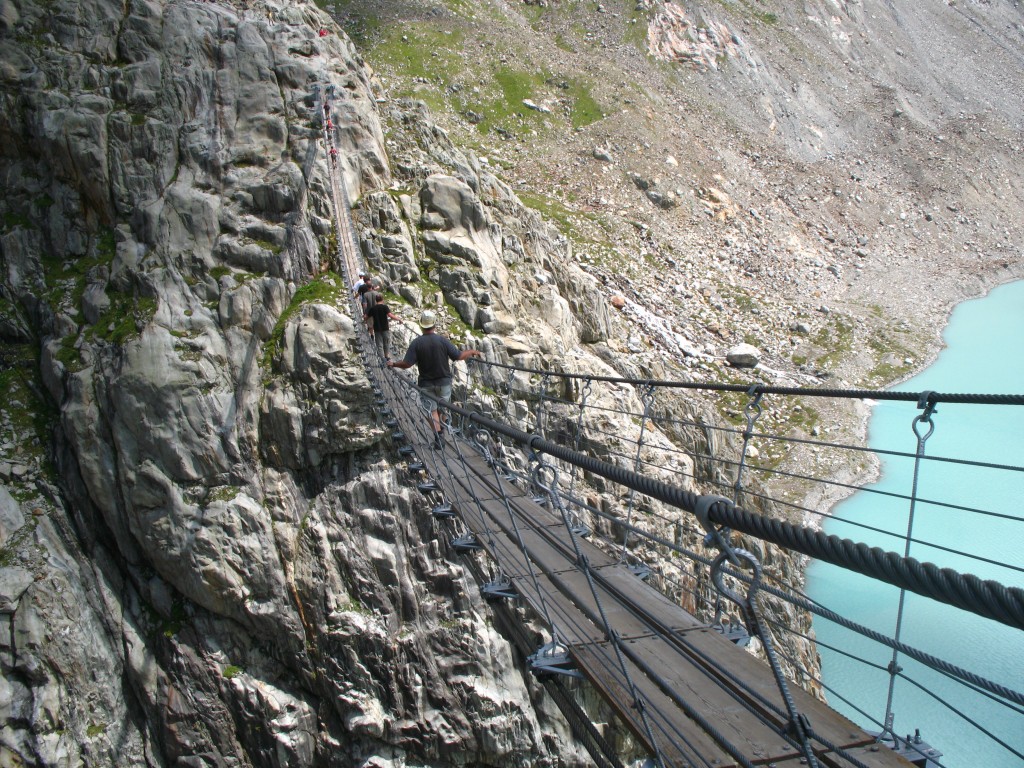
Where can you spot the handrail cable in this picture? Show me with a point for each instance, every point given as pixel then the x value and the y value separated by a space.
pixel 852 394
pixel 803 601
pixel 984 597
pixel 800 440
pixel 788 531
pixel 839 518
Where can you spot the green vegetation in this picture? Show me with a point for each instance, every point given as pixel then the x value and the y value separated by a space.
pixel 124 320
pixel 752 10
pixel 430 57
pixel 329 289
pixel 837 338
pixel 574 225
pixel 95 729
pixel 13 220
pixel 30 415
pixel 66 280
pixel 890 355
pixel 231 671
pixel 223 493
pixel 173 625
pixel 584 109
pixel 267 246
pixel 17 540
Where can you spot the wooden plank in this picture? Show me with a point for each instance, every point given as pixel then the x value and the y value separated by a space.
pixel 825 721
pixel 621 615
pixel 681 741
pixel 695 686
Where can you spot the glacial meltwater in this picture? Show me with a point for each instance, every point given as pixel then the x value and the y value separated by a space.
pixel 979 531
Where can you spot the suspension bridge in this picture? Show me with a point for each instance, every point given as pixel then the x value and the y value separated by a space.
pixel 670 663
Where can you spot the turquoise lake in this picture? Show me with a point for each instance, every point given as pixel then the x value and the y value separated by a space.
pixel 984 354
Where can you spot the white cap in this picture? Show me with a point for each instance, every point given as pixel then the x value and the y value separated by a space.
pixel 427 319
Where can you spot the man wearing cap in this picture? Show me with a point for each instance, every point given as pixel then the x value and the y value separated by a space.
pixel 431 354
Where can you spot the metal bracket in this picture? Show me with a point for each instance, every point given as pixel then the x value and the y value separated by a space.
pixel 466 544
pixel 443 512
pixel 499 589
pixel 734 633
pixel 553 659
pixel 641 570
pixel 717 536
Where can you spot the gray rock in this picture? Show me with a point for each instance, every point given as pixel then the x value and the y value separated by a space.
pixel 14 581
pixel 11 518
pixel 743 356
pixel 95 302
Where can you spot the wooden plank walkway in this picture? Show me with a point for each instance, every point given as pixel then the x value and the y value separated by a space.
pixel 682 669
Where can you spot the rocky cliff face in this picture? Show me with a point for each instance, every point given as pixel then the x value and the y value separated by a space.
pixel 207 558
pixel 206 554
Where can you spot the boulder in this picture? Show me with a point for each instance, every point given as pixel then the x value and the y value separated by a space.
pixel 743 356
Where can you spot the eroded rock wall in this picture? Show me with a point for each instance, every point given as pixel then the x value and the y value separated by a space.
pixel 208 556
pixel 216 564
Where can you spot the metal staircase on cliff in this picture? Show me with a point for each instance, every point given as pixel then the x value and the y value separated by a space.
pixel 514 506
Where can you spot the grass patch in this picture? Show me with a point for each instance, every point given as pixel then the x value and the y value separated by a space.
pixel 179 617
pixel 29 415
pixel 326 289
pixel 890 356
pixel 14 220
pixel 836 337
pixel 420 54
pixel 231 671
pixel 584 109
pixel 223 493
pixel 267 245
pixel 751 10
pixel 66 279
pixel 124 320
pixel 68 354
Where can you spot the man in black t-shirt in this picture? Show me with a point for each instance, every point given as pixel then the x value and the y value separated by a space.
pixel 379 314
pixel 367 292
pixel 432 354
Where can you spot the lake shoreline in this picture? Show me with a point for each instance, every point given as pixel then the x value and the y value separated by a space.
pixel 823 499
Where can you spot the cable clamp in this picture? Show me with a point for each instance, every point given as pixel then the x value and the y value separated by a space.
pixel 717 536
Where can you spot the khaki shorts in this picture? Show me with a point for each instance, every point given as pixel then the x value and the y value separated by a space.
pixel 444 392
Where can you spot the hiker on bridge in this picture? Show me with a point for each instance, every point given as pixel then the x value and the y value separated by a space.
pixel 380 313
pixel 431 354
